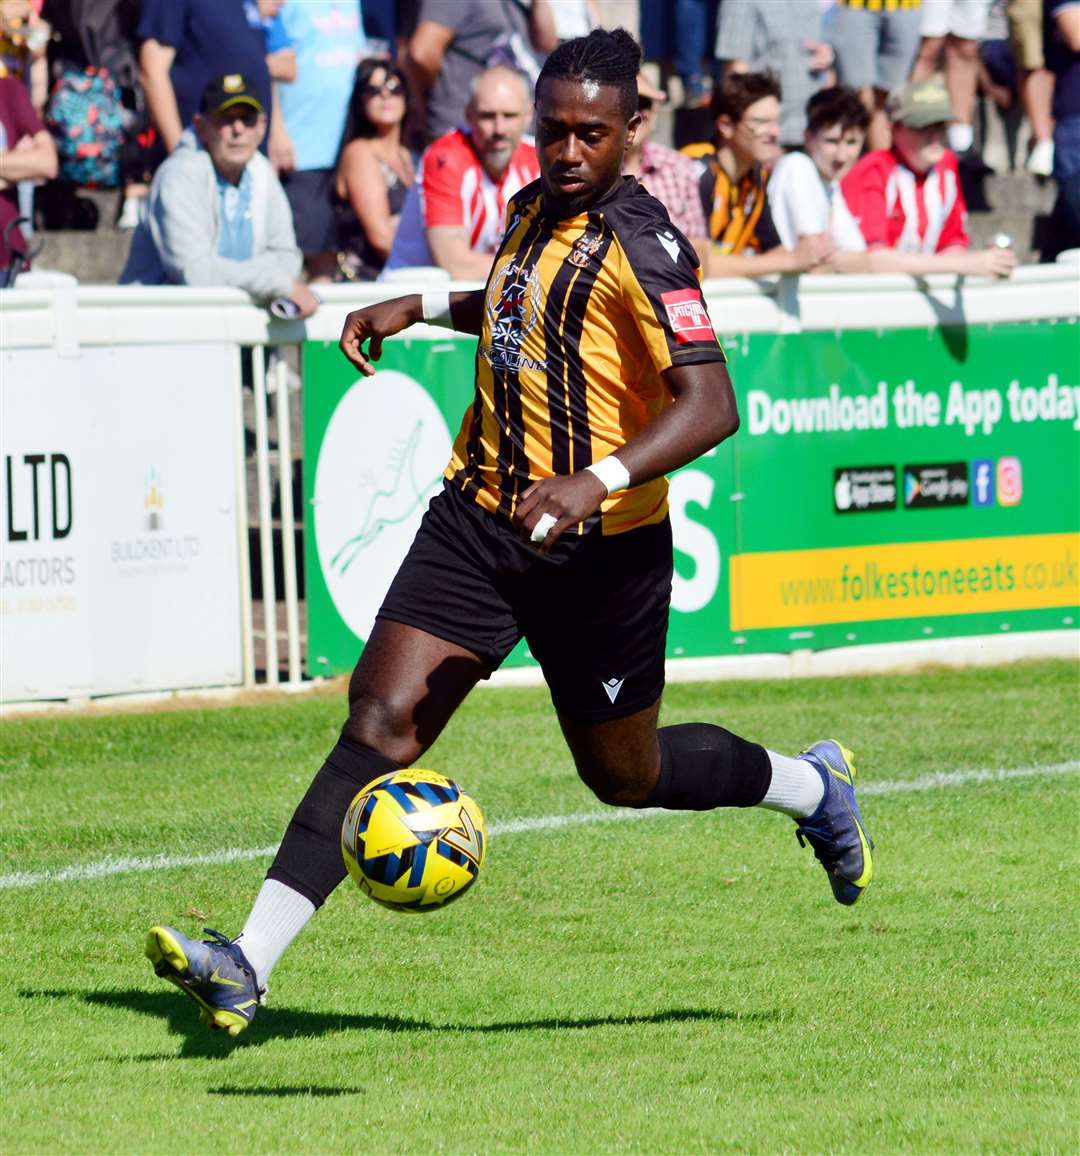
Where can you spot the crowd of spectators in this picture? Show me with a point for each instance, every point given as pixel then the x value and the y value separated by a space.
pixel 273 144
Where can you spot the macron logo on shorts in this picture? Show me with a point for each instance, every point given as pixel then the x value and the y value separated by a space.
pixel 612 686
pixel 687 315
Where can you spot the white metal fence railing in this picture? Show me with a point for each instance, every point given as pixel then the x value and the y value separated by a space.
pixel 65 322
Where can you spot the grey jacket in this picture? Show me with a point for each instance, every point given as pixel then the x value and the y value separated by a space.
pixel 177 243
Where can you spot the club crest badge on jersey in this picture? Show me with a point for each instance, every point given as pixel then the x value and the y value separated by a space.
pixel 687 315
pixel 584 248
pixel 514 307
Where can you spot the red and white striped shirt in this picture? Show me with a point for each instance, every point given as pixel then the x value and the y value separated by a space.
pixel 911 212
pixel 453 189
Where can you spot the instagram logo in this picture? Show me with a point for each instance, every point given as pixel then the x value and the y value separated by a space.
pixel 1010 482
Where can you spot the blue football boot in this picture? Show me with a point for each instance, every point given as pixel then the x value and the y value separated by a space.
pixel 214 972
pixel 835 830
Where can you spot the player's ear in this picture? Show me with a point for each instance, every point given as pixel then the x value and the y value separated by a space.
pixel 632 126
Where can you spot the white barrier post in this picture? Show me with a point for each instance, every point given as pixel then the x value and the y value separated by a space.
pixel 247 620
pixel 288 529
pixel 266 528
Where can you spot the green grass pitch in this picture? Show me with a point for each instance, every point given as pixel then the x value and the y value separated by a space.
pixel 674 983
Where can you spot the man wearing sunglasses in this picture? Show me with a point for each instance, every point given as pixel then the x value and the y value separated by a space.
pixel 218 214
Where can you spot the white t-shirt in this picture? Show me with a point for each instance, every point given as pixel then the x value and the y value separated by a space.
pixel 802 203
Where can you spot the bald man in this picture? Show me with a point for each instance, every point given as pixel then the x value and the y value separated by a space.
pixel 454 213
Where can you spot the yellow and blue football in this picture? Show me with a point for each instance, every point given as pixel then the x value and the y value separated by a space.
pixel 413 840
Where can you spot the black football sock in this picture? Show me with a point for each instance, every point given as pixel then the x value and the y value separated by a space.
pixel 309 858
pixel 704 766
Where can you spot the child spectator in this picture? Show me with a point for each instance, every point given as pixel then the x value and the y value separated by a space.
pixel 804 188
pixel 908 200
pixel 375 171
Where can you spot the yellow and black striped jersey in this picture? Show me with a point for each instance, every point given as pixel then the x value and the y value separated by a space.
pixel 581 318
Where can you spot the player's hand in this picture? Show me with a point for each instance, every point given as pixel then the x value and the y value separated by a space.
pixel 569 499
pixel 373 323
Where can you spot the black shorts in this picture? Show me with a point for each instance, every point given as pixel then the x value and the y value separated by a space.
pixel 310 193
pixel 594 612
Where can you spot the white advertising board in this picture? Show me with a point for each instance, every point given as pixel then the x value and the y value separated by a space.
pixel 118 507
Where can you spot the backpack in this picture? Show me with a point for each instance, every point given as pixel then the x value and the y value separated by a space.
pixel 86 118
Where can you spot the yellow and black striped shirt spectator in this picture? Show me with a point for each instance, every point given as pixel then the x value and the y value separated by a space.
pixel 581 319
pixel 737 212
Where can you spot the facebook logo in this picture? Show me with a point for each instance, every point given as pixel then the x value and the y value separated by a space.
pixel 982 482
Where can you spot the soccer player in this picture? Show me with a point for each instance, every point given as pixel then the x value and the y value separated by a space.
pixel 598 372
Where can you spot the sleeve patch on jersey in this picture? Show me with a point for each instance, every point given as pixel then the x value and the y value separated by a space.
pixel 687 315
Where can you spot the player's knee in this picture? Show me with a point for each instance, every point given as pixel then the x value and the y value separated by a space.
pixel 379 723
pixel 621 786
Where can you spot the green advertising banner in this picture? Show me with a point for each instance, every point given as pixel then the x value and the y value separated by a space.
pixel 900 484
pixel 884 486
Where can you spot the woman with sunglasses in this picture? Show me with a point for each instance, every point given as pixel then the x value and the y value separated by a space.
pixel 374 170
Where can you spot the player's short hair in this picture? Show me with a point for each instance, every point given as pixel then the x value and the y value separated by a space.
pixel 839 105
pixel 606 57
pixel 739 90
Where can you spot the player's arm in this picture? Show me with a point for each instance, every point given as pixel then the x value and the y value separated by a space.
pixel 704 413
pixel 374 323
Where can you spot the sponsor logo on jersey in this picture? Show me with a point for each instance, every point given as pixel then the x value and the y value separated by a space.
pixel 687 315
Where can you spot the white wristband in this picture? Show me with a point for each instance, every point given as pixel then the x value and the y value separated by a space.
pixel 435 308
pixel 611 472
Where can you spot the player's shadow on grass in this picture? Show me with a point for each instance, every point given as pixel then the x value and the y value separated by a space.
pixel 288 1023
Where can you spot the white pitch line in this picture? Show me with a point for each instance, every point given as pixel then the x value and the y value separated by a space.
pixel 123 865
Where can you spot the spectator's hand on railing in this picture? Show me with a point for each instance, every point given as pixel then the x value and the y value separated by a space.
pixel 811 253
pixel 992 262
pixel 373 323
pixel 305 299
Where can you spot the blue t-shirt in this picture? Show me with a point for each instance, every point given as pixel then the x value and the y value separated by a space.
pixel 212 38
pixel 328 38
pixel 236 238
